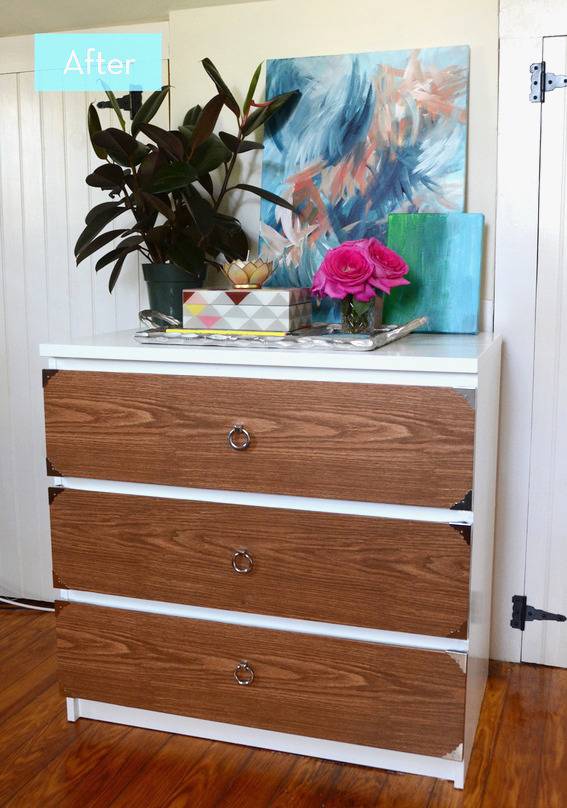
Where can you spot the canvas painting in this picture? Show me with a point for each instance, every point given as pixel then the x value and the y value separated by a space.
pixel 444 255
pixel 370 134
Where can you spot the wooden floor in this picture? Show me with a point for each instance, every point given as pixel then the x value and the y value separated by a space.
pixel 519 760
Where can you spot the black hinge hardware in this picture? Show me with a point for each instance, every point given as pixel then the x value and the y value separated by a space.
pixel 543 82
pixel 130 103
pixel 465 504
pixel 47 374
pixel 522 613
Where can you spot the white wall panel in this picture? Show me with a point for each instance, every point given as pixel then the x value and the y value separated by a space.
pixel 45 156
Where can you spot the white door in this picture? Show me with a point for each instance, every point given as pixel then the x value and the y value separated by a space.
pixel 45 156
pixel 546 560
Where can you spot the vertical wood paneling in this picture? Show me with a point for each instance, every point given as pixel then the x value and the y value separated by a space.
pixel 37 552
pixel 10 571
pixel 45 156
pixel 546 557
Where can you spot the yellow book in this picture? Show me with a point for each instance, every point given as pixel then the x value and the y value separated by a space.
pixel 226 332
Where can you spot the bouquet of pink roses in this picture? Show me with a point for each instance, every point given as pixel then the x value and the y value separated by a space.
pixel 355 272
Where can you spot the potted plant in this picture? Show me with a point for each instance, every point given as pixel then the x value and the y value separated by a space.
pixel 167 187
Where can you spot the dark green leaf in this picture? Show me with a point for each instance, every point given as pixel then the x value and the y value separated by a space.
pixel 187 255
pixel 93 122
pixel 98 242
pixel 108 177
pixel 207 122
pixel 192 116
pixel 114 104
pixel 170 142
pixel 150 164
pixel 187 134
pixel 93 229
pixel 260 116
pixel 251 90
pixel 122 147
pixel 206 182
pixel 115 274
pixel 238 146
pixel 210 155
pixel 228 237
pixel 126 246
pixel 228 97
pixel 201 210
pixel 148 109
pixel 277 200
pixel 94 212
pixel 159 204
pixel 171 177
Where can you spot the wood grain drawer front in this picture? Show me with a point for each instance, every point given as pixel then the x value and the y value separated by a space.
pixel 381 573
pixel 379 443
pixel 376 695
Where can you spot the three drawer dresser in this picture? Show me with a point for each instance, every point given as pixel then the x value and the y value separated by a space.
pixel 281 549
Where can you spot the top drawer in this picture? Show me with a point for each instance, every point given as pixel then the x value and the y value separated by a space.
pixel 377 443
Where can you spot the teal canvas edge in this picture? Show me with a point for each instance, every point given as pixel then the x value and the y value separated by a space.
pixel 444 255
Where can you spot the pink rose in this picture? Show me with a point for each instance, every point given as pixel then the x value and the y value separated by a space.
pixel 359 268
pixel 345 270
pixel 390 267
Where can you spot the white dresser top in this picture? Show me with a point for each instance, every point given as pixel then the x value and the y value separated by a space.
pixel 441 353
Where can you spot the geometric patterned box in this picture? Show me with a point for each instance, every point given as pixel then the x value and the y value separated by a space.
pixel 266 309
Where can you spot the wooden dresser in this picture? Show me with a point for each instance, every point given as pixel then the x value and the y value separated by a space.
pixel 288 550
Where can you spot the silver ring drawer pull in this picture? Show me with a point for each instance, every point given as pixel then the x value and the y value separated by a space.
pixel 244 674
pixel 238 438
pixel 242 562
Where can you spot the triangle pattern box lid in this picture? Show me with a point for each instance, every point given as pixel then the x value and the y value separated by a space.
pixel 266 296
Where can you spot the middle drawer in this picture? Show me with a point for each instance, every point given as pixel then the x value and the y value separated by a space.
pixel 390 574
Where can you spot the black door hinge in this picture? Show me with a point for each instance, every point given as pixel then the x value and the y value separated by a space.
pixel 522 613
pixel 543 82
pixel 130 103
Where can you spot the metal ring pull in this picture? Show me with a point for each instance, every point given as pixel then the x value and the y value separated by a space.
pixel 242 562
pixel 239 438
pixel 244 674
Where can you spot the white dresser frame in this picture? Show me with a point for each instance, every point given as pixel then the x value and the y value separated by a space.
pixel 467 363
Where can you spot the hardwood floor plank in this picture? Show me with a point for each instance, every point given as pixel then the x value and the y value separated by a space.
pixel 552 781
pixel 49 737
pixel 513 776
pixel 123 762
pixel 27 686
pixel 56 785
pixel 356 787
pixel 157 782
pixel 212 776
pixel 308 784
pixel 405 791
pixel 261 775
pixel 26 648
pixel 13 620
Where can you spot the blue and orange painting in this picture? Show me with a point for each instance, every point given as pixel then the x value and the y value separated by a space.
pixel 370 134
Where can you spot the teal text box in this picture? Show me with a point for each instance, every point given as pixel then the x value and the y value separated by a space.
pixel 87 62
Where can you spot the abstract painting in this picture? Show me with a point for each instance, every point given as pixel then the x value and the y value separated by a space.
pixel 444 255
pixel 370 134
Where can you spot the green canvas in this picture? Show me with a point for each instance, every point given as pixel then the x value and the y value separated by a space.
pixel 444 255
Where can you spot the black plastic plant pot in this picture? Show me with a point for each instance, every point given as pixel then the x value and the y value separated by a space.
pixel 166 283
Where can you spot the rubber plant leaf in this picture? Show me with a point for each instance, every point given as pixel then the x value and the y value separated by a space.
pixel 108 177
pixel 238 146
pixel 114 104
pixel 99 242
pixel 149 109
pixel 95 226
pixel 277 200
pixel 207 122
pixel 214 74
pixel 170 142
pixel 172 177
pixel 251 90
pixel 260 116
pixel 93 122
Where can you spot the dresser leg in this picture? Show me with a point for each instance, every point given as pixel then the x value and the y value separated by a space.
pixel 73 711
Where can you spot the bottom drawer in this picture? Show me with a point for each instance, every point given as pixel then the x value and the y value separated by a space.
pixel 405 699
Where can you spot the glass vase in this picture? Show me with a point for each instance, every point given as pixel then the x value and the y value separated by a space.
pixel 361 317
